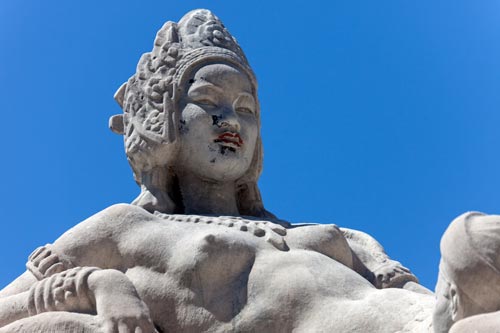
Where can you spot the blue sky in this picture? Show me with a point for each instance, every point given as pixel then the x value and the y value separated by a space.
pixel 380 116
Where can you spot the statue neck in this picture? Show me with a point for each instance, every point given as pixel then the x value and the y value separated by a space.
pixel 201 196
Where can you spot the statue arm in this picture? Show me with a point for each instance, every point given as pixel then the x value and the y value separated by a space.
pixel 387 273
pixel 19 285
pixel 93 242
pixel 83 290
pixel 81 272
pixel 42 263
pixel 13 308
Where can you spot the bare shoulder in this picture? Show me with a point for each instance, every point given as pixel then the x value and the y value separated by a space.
pixel 95 241
pixel 120 214
pixel 112 220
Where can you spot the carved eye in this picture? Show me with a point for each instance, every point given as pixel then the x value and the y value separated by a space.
pixel 243 109
pixel 244 104
pixel 206 102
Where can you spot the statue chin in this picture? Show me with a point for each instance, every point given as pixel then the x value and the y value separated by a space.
pixel 223 170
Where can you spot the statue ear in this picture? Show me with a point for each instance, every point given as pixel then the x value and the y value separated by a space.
pixel 116 121
pixel 120 94
pixel 454 303
pixel 116 124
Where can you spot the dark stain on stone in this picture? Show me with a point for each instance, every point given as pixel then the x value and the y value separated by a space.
pixel 224 149
pixel 215 120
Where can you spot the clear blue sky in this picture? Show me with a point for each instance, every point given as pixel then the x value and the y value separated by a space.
pixel 381 116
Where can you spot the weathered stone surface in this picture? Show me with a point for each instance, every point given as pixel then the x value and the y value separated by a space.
pixel 196 250
pixel 468 288
pixel 125 266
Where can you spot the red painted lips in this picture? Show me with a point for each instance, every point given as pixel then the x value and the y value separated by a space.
pixel 231 138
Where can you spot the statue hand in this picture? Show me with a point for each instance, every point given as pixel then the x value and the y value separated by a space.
pixel 43 262
pixel 391 274
pixel 64 291
pixel 131 321
pixel 118 304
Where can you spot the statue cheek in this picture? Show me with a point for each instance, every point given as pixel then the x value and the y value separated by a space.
pixel 250 131
pixel 194 116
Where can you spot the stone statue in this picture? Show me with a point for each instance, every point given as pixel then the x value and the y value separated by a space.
pixel 196 250
pixel 468 288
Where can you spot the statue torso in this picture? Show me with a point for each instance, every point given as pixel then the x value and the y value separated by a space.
pixel 199 273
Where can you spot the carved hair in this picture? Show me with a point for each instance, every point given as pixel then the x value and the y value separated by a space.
pixel 150 102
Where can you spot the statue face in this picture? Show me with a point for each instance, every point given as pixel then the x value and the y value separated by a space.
pixel 219 126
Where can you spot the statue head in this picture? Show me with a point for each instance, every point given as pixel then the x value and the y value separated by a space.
pixel 469 271
pixel 195 67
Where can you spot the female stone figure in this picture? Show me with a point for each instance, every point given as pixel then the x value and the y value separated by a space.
pixel 197 251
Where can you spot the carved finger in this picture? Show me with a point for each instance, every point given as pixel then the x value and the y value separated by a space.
pixel 404 269
pixel 39 299
pixel 399 267
pixel 35 253
pixel 57 268
pixel 399 270
pixel 59 282
pixel 48 299
pixel 42 255
pixel 58 297
pixel 123 327
pixel 110 326
pixel 47 262
pixel 72 273
pixel 69 284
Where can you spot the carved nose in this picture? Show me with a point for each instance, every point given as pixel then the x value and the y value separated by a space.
pixel 227 119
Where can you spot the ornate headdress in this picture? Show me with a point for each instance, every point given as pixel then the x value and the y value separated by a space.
pixel 151 115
